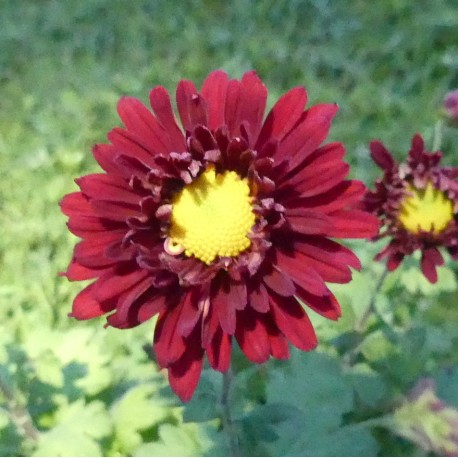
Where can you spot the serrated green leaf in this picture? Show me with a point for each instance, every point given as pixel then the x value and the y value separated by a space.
pixel 136 411
pixel 174 441
pixel 78 430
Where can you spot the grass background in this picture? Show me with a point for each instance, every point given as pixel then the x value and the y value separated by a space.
pixel 63 66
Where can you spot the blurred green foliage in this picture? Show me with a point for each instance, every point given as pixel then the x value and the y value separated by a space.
pixel 72 388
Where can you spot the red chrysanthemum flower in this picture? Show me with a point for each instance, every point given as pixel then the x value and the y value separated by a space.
pixel 417 202
pixel 218 226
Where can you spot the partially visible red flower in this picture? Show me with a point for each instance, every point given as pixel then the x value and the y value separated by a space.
pixel 218 225
pixel 417 202
pixel 451 105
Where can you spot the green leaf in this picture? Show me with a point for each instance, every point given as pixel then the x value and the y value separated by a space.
pixel 377 347
pixel 78 430
pixel 205 404
pixel 134 412
pixel 368 384
pixel 188 439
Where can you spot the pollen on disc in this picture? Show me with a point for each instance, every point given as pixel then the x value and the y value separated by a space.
pixel 212 216
pixel 428 210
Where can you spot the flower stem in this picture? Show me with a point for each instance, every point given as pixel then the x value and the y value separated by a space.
pixel 228 424
pixel 437 139
pixel 361 324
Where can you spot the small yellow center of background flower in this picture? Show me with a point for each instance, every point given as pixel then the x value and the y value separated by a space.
pixel 212 216
pixel 427 209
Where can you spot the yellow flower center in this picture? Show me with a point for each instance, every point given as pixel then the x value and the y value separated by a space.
pixel 212 216
pixel 428 210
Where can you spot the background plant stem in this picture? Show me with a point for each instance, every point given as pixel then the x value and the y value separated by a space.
pixel 228 424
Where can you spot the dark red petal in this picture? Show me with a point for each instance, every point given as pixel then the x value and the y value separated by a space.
pixel 189 314
pixel 169 346
pixel 252 336
pixel 115 211
pixel 104 155
pixel 283 116
pixel 431 258
pixel 279 282
pixel 307 221
pixel 92 251
pixel 75 204
pixel 107 187
pixel 89 226
pixel 184 374
pixel 219 351
pixel 353 224
pixel 191 106
pixel 162 107
pixel 77 272
pixel 319 180
pixel 329 259
pixel 346 193
pixel 225 310
pixel 214 91
pixel 231 109
pixel 323 160
pixel 278 343
pixel 86 307
pixel 327 306
pixel 293 322
pixel 259 299
pixel 307 136
pixel 381 156
pixel 141 122
pixel 252 103
pixel 301 274
pixel 112 285
pixel 128 144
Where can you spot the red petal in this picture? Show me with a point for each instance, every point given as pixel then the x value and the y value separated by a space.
pixel 283 116
pixel 259 299
pixel 115 211
pixel 129 144
pixel 355 224
pixel 107 187
pixel 301 274
pixel 252 337
pixel 321 179
pixel 252 103
pixel 76 204
pixel 346 193
pixel 308 221
pixel 191 106
pixel 327 306
pixel 111 285
pixel 141 122
pixel 381 155
pixel 278 343
pixel 189 314
pixel 279 282
pixel 77 272
pixel 104 155
pixel 162 107
pixel 214 91
pixel 307 136
pixel 293 322
pixel 184 373
pixel 431 258
pixel 86 307
pixel 169 346
pixel 225 310
pixel 219 351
